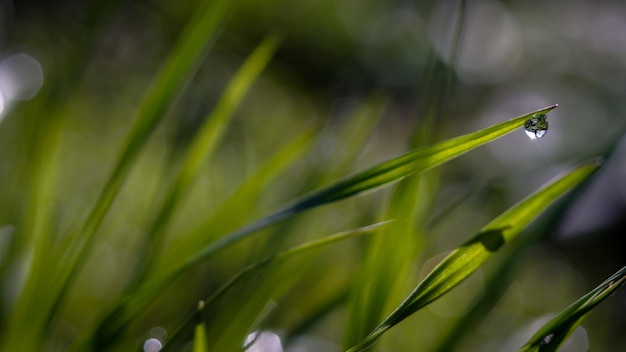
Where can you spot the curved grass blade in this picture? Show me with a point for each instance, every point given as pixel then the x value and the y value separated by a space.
pixel 419 160
pixel 499 280
pixel 552 335
pixel 204 143
pixel 243 200
pixel 193 45
pixel 23 325
pixel 245 272
pixel 466 259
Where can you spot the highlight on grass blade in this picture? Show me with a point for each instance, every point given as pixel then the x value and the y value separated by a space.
pixel 552 335
pixel 466 259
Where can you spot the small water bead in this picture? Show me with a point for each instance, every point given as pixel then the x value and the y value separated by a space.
pixel 536 126
pixel 546 340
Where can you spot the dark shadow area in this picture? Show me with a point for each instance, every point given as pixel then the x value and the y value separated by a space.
pixel 492 240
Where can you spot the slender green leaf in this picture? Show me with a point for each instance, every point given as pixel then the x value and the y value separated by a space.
pixel 189 51
pixel 294 251
pixel 297 250
pixel 200 340
pixel 243 200
pixel 205 140
pixel 419 160
pixel 552 335
pixel 498 281
pixel 186 56
pixel 29 317
pixel 374 289
pixel 466 259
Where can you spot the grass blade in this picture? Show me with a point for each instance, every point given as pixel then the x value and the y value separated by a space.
pixel 177 70
pixel 297 250
pixel 294 251
pixel 200 340
pixel 419 160
pixel 466 259
pixel 242 201
pixel 550 337
pixel 205 141
pixel 185 57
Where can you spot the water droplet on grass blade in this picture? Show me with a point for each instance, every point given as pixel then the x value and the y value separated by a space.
pixel 536 126
pixel 546 340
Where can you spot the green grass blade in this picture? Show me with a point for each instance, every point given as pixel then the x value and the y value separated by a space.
pixel 297 250
pixel 550 337
pixel 243 200
pixel 419 160
pixel 294 251
pixel 205 141
pixel 200 339
pixel 375 288
pixel 185 57
pixel 472 254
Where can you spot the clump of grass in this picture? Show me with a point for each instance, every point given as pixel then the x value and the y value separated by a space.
pixel 165 261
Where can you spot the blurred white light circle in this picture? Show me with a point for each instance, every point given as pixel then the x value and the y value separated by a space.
pixel 263 342
pixel 1 104
pixel 21 77
pixel 152 345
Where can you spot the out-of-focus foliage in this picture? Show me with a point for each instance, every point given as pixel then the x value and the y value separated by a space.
pixel 104 190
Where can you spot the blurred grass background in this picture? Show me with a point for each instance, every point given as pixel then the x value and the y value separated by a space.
pixel 352 83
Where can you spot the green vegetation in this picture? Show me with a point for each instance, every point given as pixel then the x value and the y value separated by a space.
pixel 113 232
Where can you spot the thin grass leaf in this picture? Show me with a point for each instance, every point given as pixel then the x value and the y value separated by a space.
pixel 374 290
pixel 346 146
pixel 419 160
pixel 243 200
pixel 552 335
pixel 200 340
pixel 291 252
pixel 205 141
pixel 499 280
pixel 29 317
pixel 295 251
pixel 183 61
pixel 186 56
pixel 466 259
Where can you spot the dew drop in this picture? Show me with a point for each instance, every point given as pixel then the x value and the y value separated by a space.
pixel 537 126
pixel 547 339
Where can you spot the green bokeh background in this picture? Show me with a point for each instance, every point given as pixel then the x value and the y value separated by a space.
pixel 445 68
